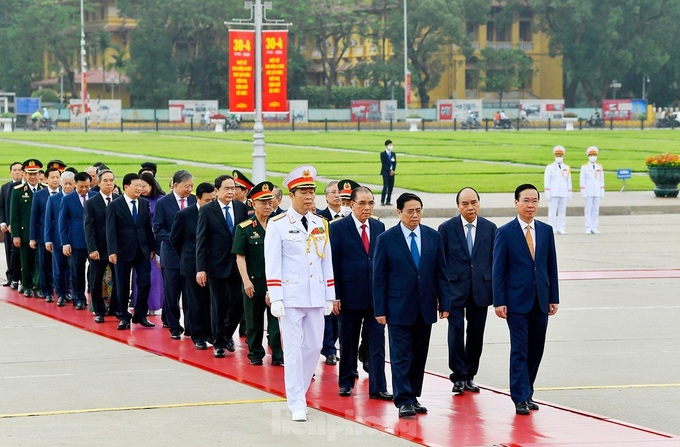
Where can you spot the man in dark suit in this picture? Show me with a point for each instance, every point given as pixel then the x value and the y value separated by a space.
pixel 72 235
pixel 131 244
pixel 37 231
pixel 525 291
pixel 332 210
pixel 95 237
pixel 353 240
pixel 409 287
pixel 13 273
pixel 60 271
pixel 388 167
pixel 173 282
pixel 183 240
pixel 216 266
pixel 468 244
pixel 278 197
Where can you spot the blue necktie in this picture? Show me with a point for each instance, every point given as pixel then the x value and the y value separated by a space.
pixel 230 223
pixel 134 211
pixel 469 238
pixel 414 250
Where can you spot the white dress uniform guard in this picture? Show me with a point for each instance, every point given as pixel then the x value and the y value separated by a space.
pixel 557 188
pixel 591 182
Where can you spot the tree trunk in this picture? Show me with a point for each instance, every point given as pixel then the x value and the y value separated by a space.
pixel 570 93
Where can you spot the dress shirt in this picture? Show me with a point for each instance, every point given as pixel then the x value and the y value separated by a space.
pixel 231 212
pixel 407 236
pixel 129 203
pixel 178 199
pixel 298 217
pixel 358 224
pixel 524 225
pixel 104 196
pixel 473 229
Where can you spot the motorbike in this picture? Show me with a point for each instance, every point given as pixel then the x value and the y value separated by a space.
pixel 668 121
pixel 470 123
pixel 46 124
pixel 595 121
pixel 233 122
pixel 502 124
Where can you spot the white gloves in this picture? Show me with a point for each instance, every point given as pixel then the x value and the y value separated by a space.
pixel 329 308
pixel 277 309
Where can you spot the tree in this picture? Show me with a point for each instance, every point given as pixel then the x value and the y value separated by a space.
pixel 503 70
pixel 120 64
pixel 102 42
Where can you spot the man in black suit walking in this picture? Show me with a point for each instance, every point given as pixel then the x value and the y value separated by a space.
pixel 388 167
pixel 183 240
pixel 131 244
pixel 216 266
pixel 13 274
pixel 95 237
pixel 468 245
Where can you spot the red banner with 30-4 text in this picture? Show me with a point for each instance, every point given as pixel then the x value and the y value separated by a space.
pixel 274 71
pixel 241 71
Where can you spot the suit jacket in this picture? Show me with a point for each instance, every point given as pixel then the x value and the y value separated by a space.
pixel 400 290
pixel 517 278
pixel 20 210
pixel 386 161
pixel 213 239
pixel 327 214
pixel 123 236
pixel 352 266
pixel 5 198
pixel 71 227
pixel 276 212
pixel 38 211
pixel 51 226
pixel 164 216
pixel 183 240
pixel 94 216
pixel 469 273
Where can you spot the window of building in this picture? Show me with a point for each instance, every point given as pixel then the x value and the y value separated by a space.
pixel 525 31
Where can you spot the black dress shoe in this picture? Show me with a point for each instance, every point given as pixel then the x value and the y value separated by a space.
pixel 166 326
pixel 8 283
pixel 532 405
pixel 345 391
pixel 61 301
pixel 407 410
pixel 458 387
pixel 99 319
pixel 355 374
pixel 256 362
pixel 144 322
pixel 419 408
pixel 471 386
pixel 14 285
pixel 28 293
pixel 80 306
pixel 382 395
pixel 38 294
pixel 219 353
pixel 49 298
pixel 230 345
pixel 277 362
pixel 21 289
pixel 176 335
pixel 522 408
pixel 201 345
pixel 123 325
pixel 331 360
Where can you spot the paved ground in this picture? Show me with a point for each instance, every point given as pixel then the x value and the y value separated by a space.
pixel 613 349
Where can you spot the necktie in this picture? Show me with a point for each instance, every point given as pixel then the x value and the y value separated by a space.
pixel 304 222
pixel 53 192
pixel 108 200
pixel 560 165
pixel 230 223
pixel 134 211
pixel 469 238
pixel 364 237
pixel 181 203
pixel 414 250
pixel 530 242
pixel 82 200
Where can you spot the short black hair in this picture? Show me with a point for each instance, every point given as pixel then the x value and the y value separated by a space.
pixel 16 163
pixel 71 169
pixel 219 180
pixel 357 190
pixel 127 180
pixel 405 197
pixel 50 170
pixel 388 142
pixel 523 187
pixel 463 189
pixel 82 177
pixel 204 188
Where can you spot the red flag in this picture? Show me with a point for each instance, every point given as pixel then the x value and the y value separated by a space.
pixel 241 71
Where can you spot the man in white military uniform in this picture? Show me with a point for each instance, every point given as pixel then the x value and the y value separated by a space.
pixel 300 282
pixel 591 182
pixel 557 188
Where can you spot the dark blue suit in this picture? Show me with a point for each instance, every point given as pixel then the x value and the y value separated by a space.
pixel 353 272
pixel 471 292
pixel 72 232
pixel 409 298
pixel 527 287
pixel 60 271
pixel 388 162
pixel 173 281
pixel 37 233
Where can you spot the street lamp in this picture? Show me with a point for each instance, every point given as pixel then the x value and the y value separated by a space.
pixel 645 81
pixel 406 86
pixel 615 85
pixel 83 64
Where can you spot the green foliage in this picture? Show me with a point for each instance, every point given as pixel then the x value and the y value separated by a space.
pixel 46 95
pixel 504 69
pixel 7 115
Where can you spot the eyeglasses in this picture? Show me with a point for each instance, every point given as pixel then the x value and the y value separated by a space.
pixel 412 211
pixel 363 204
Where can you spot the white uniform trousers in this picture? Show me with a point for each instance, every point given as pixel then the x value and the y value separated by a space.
pixel 592 212
pixel 557 213
pixel 302 332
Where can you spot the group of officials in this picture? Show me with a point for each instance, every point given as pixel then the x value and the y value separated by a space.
pixel 212 251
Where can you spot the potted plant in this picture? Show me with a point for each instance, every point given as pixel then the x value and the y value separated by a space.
pixel 219 120
pixel 6 120
pixel 664 170
pixel 569 119
pixel 413 121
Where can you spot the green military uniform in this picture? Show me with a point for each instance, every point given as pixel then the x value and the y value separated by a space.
pixel 249 241
pixel 20 220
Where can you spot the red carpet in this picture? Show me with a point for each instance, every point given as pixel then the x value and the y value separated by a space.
pixel 480 419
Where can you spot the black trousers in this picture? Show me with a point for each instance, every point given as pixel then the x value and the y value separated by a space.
pixel 97 270
pixel 198 301
pixel 45 262
pixel 123 270
pixel 226 307
pixel 77 267
pixel 173 289
pixel 13 259
pixel 388 186
pixel 29 279
pixel 330 335
pixel 465 352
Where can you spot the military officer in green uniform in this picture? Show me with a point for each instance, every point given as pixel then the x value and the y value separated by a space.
pixel 20 220
pixel 243 188
pixel 248 247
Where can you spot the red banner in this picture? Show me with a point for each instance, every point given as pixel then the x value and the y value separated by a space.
pixel 241 71
pixel 274 71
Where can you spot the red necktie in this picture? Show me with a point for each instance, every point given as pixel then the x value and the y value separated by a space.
pixel 364 237
pixel 181 203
